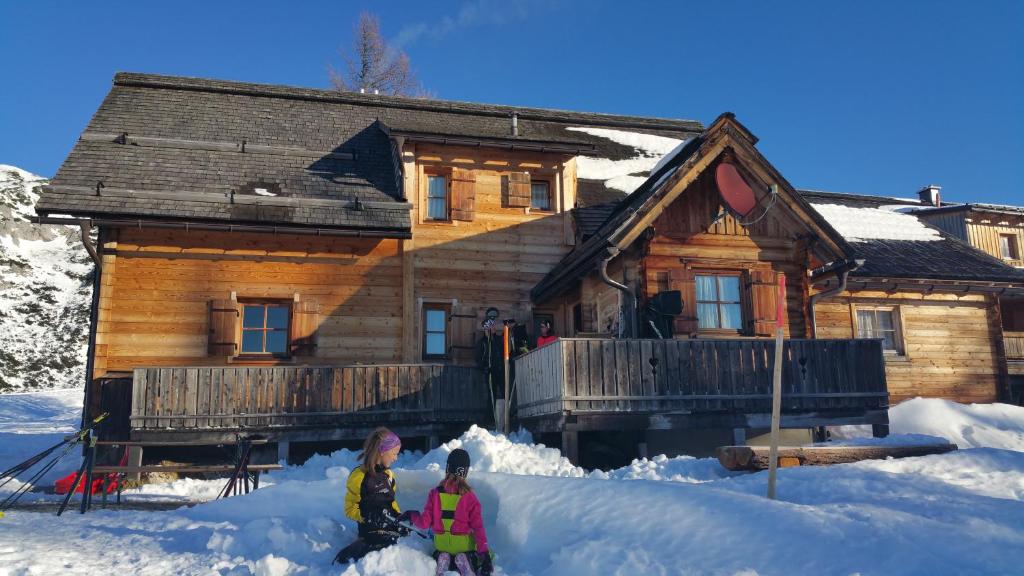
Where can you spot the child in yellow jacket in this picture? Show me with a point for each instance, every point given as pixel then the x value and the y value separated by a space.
pixel 370 497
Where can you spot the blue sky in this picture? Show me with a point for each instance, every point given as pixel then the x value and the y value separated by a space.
pixel 871 97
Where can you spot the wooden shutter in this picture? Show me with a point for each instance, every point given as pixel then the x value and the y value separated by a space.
pixel 224 321
pixel 682 279
pixel 463 332
pixel 304 327
pixel 463 194
pixel 762 295
pixel 519 192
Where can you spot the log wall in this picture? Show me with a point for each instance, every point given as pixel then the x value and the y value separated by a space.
pixel 156 286
pixel 949 342
pixel 493 260
pixel 685 236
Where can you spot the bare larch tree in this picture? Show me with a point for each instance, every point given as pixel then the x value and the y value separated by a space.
pixel 374 67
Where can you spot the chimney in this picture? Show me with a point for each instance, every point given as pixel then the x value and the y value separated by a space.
pixel 515 124
pixel 930 195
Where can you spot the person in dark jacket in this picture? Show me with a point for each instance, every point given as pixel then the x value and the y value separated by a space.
pixel 370 497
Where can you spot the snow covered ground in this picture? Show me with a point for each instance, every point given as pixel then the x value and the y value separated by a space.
pixel 957 513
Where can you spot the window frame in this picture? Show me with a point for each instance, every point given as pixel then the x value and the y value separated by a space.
pixel 1012 253
pixel 432 307
pixel 285 303
pixel 897 327
pixel 447 177
pixel 741 302
pixel 551 203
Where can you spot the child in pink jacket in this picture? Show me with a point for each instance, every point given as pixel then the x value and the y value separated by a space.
pixel 452 512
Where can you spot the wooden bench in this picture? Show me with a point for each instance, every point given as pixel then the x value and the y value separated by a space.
pixel 123 471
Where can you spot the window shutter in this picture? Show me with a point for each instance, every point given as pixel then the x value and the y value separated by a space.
pixel 304 325
pixel 224 320
pixel 519 189
pixel 463 194
pixel 682 279
pixel 463 332
pixel 762 294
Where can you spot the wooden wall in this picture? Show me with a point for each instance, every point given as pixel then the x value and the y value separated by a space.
pixel 685 236
pixel 156 286
pixel 493 260
pixel 949 341
pixel 983 231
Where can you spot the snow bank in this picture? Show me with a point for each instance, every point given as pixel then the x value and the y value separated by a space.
pixel 954 513
pixel 966 425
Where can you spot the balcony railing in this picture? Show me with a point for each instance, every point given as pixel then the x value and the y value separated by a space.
pixel 261 398
pixel 581 375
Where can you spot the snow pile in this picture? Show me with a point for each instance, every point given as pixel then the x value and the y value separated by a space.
pixel 679 469
pixel 45 290
pixel 930 420
pixel 966 425
pixel 628 174
pixel 884 223
pixel 495 453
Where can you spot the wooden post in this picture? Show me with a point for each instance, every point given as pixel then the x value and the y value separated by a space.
pixel 571 446
pixel 773 454
pixel 505 346
pixel 134 461
pixel 283 448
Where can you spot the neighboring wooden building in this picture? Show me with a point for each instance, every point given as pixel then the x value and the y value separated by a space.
pixel 999 231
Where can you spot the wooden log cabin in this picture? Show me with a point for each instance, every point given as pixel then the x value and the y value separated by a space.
pixel 310 264
pixel 307 265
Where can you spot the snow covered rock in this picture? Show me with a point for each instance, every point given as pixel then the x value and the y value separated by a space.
pixel 45 292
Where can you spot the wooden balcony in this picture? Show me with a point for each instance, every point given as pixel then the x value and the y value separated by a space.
pixel 600 383
pixel 204 404
pixel 1013 343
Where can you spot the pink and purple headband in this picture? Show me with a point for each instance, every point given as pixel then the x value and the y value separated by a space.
pixel 390 441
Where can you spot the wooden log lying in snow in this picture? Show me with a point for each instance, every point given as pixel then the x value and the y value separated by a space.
pixel 756 457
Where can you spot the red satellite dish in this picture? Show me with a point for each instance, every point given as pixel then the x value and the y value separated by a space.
pixel 735 191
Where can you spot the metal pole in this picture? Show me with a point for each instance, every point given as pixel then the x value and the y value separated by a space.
pixel 504 420
pixel 773 452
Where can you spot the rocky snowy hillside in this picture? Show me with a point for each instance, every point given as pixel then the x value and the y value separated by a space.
pixel 45 291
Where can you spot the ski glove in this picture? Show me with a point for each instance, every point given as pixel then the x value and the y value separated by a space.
pixel 486 567
pixel 406 516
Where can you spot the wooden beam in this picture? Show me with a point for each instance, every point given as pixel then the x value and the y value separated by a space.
pixel 757 457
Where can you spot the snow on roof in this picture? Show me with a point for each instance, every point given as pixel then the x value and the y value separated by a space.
pixel 883 223
pixel 628 174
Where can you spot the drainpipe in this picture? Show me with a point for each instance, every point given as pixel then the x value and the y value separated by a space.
pixel 86 228
pixel 94 309
pixel 629 311
pixel 843 271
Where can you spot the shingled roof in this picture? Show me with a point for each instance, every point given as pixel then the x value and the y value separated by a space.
pixel 918 251
pixel 173 148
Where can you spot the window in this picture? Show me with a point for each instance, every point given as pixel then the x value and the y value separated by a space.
pixel 435 331
pixel 1008 247
pixel 437 197
pixel 265 328
pixel 540 195
pixel 880 323
pixel 718 303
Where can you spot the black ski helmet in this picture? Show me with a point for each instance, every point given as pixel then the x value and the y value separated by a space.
pixel 458 463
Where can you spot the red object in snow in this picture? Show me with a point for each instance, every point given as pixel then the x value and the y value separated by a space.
pixel 735 191
pixel 64 484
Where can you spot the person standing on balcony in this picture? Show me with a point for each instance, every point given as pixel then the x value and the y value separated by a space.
pixel 547 335
pixel 370 497
pixel 490 359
